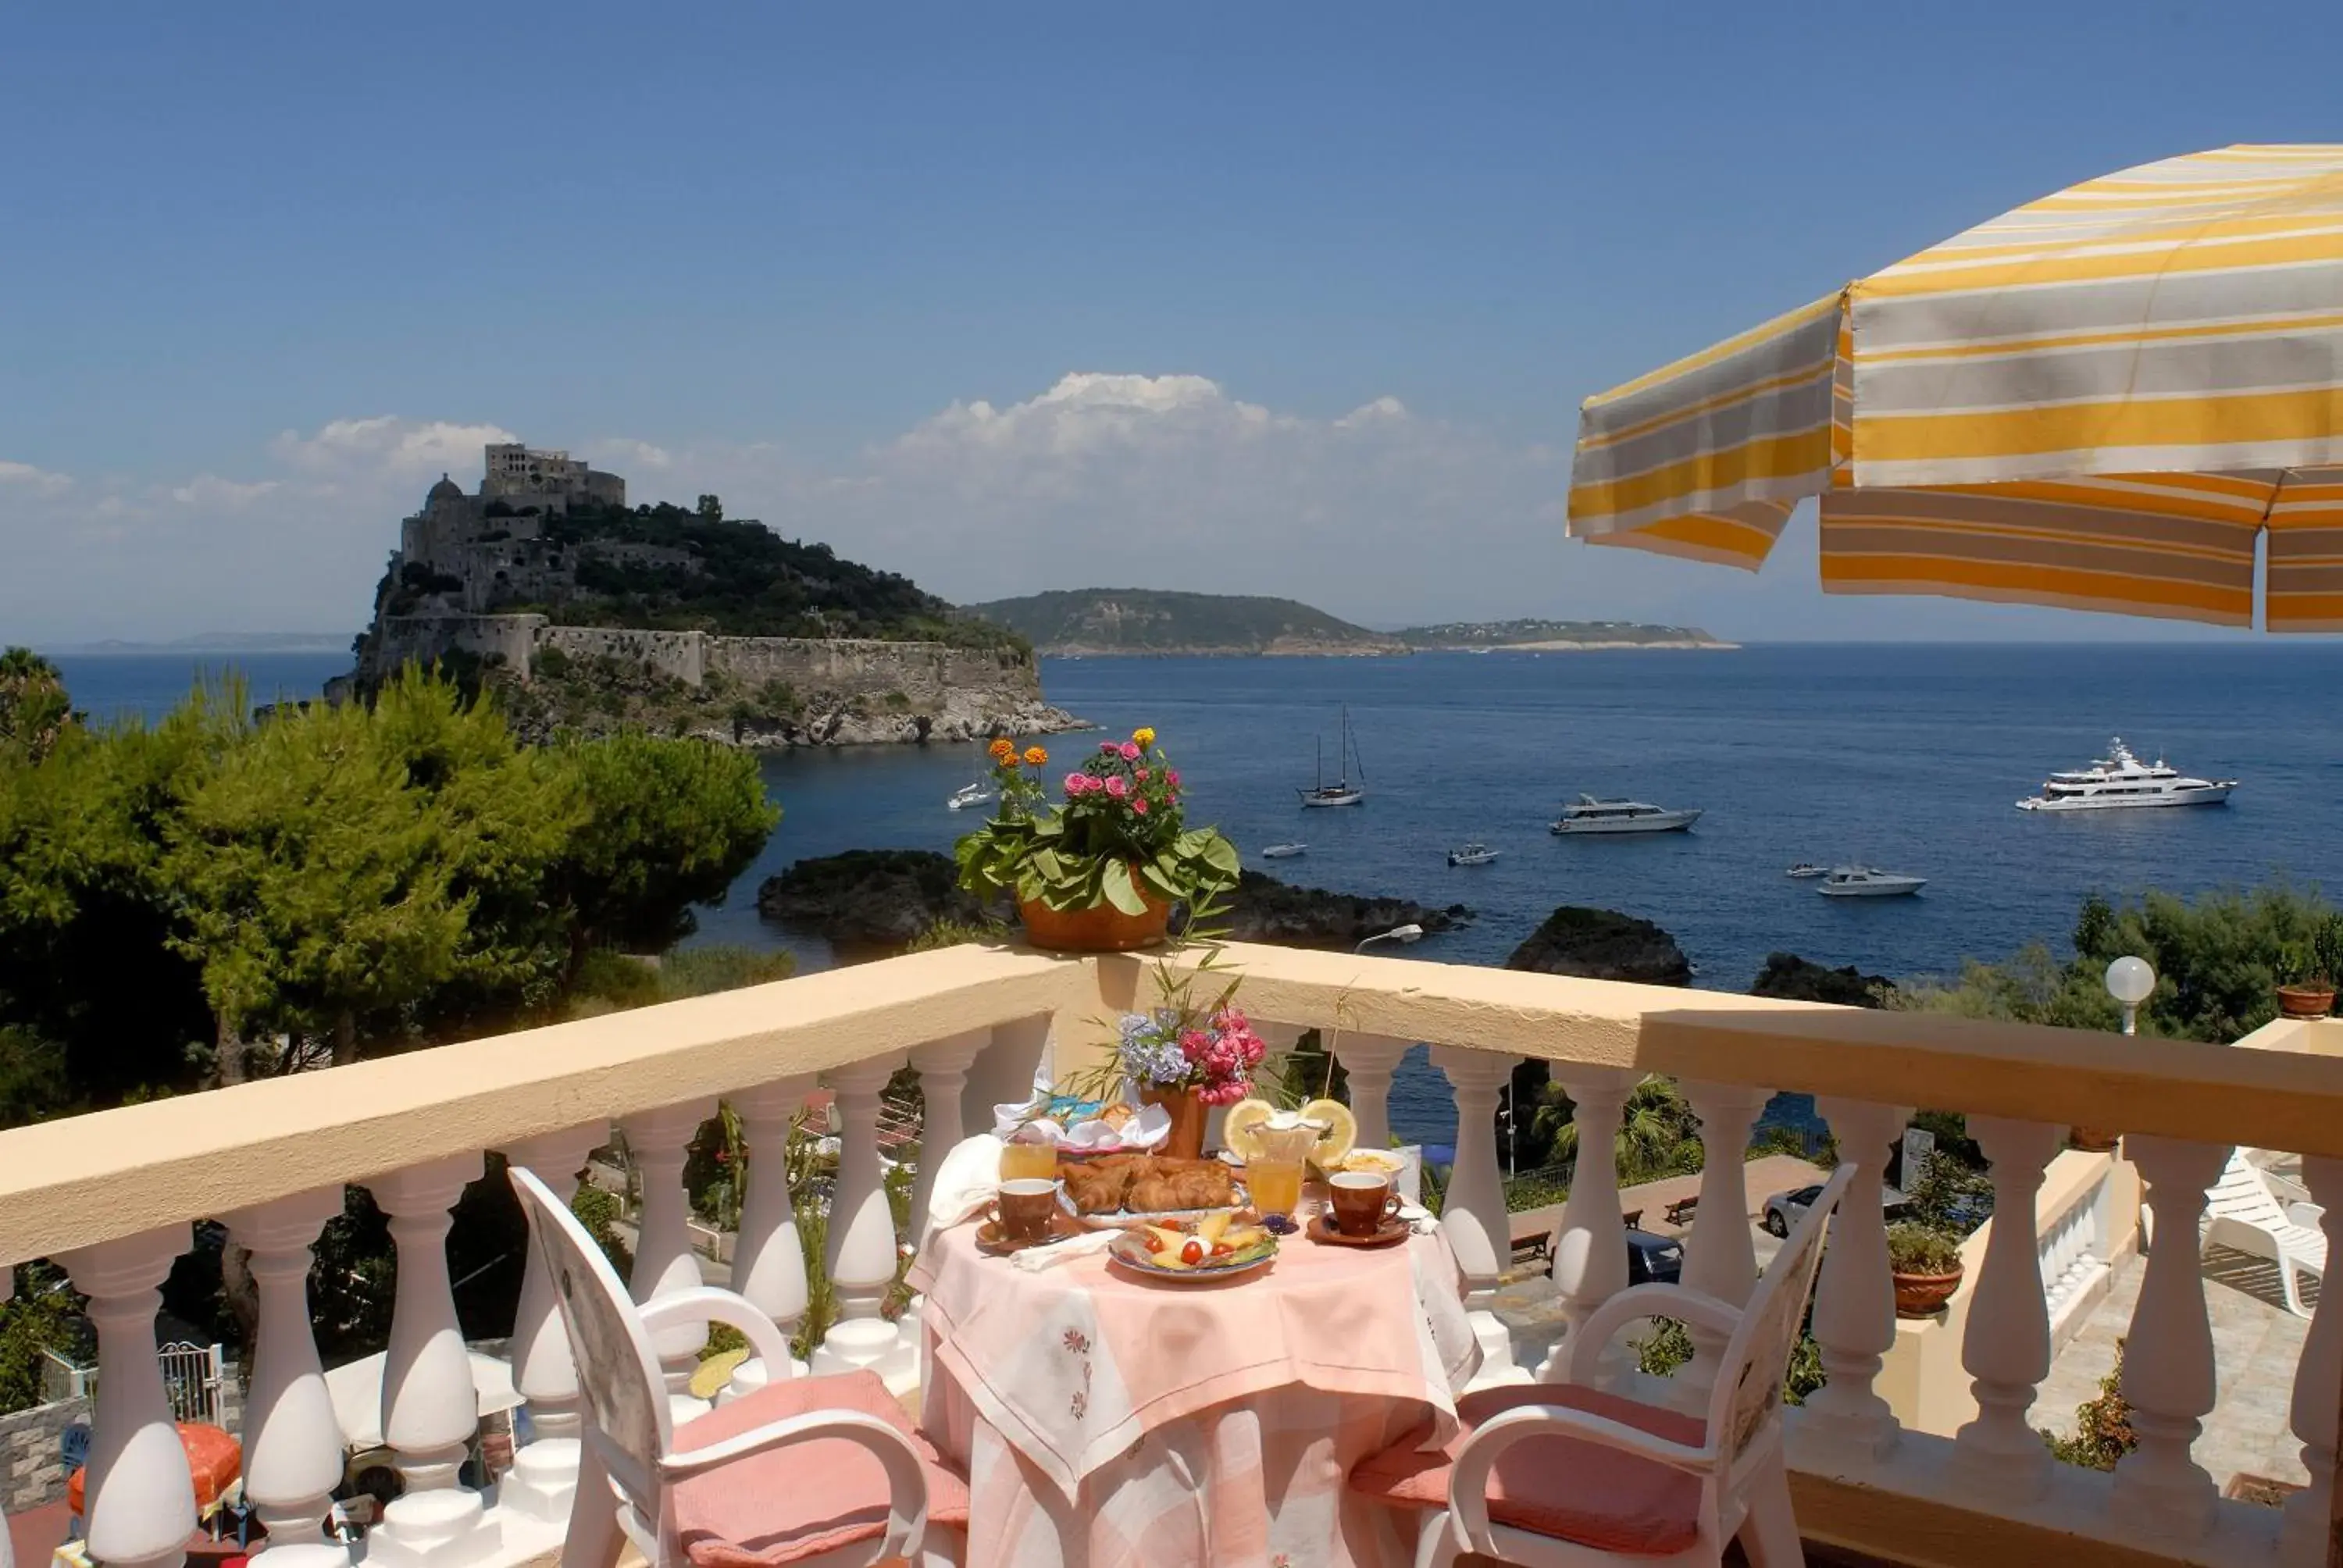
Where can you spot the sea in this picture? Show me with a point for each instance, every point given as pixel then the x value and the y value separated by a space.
pixel 1907 757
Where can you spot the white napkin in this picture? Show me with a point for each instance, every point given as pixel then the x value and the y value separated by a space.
pixel 1150 1126
pixel 1033 1259
pixel 968 1180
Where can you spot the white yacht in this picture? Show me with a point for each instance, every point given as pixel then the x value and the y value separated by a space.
pixel 2120 780
pixel 1283 851
pixel 978 793
pixel 1342 792
pixel 1863 882
pixel 1806 868
pixel 1474 854
pixel 1588 815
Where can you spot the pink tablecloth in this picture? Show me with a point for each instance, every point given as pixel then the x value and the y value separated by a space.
pixel 1108 1421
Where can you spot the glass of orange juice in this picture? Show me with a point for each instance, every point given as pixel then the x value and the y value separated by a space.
pixel 1275 1185
pixel 1022 1160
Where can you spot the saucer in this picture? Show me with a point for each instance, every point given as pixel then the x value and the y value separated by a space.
pixel 993 1242
pixel 1322 1230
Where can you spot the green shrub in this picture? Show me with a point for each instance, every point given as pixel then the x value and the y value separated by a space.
pixel 597 1210
pixel 1915 1249
pixel 2103 1433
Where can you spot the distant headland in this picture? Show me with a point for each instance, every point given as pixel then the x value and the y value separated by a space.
pixel 1553 636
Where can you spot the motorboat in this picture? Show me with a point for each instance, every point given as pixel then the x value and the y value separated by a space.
pixel 1342 792
pixel 1805 868
pixel 1863 882
pixel 978 793
pixel 1474 854
pixel 1588 815
pixel 1283 851
pixel 2120 780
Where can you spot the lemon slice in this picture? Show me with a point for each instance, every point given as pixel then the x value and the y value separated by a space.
pixel 1236 1127
pixel 1341 1131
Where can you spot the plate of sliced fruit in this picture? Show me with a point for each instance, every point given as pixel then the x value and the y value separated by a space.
pixel 1219 1246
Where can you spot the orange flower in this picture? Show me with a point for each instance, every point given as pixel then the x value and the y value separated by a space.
pixel 1002 751
pixel 1036 758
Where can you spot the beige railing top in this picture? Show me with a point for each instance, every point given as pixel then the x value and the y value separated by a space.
pixel 85 1179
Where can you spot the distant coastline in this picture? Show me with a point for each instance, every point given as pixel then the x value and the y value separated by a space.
pixel 210 642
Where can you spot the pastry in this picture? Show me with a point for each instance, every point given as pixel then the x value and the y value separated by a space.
pixel 1117 1116
pixel 1096 1186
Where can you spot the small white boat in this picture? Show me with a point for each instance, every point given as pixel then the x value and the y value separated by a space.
pixel 1475 854
pixel 1283 851
pixel 1589 815
pixel 1805 868
pixel 2120 780
pixel 1863 882
pixel 978 793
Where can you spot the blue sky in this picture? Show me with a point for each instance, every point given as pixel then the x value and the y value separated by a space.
pixel 1294 299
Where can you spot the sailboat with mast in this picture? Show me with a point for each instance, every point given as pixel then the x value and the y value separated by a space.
pixel 1342 792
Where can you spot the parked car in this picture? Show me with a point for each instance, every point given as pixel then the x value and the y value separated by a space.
pixel 1783 1209
pixel 1654 1260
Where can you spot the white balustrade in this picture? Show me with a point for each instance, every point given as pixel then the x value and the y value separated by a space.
pixel 660 1142
pixel 1004 1069
pixel 292 1442
pixel 139 1495
pixel 429 1406
pixel 1368 1062
pixel 769 1265
pixel 2160 1491
pixel 2317 1375
pixel 1720 1255
pixel 1473 1210
pixel 1589 1241
pixel 1855 1298
pixel 544 1476
pixel 861 1251
pixel 942 1066
pixel 2005 1347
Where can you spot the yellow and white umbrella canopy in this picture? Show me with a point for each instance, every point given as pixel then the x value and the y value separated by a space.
pixel 2099 400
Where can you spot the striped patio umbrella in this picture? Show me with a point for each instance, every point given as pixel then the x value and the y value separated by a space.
pixel 2102 400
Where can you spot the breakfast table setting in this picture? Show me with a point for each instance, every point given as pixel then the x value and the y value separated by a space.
pixel 1144 1354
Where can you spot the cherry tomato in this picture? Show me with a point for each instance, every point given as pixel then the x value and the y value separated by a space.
pixel 1193 1252
pixel 1221 1248
pixel 1153 1242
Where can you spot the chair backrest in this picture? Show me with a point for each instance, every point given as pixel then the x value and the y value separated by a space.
pixel 619 1378
pixel 1756 1360
pixel 2243 1194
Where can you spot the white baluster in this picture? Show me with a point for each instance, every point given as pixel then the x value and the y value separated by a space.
pixel 2318 1372
pixel 1004 1069
pixel 2168 1376
pixel 1368 1061
pixel 861 1249
pixel 2006 1345
pixel 768 1266
pixel 430 1408
pixel 139 1495
pixel 292 1443
pixel 942 1066
pixel 1473 1213
pixel 1720 1255
pixel 1855 1300
pixel 544 1476
pixel 1590 1242
pixel 660 1142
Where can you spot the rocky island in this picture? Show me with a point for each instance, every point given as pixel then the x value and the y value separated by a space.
pixel 1100 623
pixel 588 617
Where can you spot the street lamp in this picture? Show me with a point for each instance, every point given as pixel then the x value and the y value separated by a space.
pixel 2131 982
pixel 1403 935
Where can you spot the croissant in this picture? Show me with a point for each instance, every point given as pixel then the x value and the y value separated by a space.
pixel 1097 1187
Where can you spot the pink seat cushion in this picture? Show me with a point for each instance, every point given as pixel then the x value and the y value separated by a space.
pixel 789 1503
pixel 1565 1487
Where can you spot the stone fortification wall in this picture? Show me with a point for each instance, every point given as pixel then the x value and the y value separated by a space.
pixel 421 638
pixel 681 655
pixel 924 672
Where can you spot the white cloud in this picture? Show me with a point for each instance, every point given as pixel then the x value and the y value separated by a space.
pixel 24 475
pixel 224 495
pixel 388 447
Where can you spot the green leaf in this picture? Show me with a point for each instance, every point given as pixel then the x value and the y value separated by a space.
pixel 1119 890
pixel 1047 863
pixel 1169 884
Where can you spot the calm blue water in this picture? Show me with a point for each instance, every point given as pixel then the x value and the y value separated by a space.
pixel 1907 757
pixel 108 687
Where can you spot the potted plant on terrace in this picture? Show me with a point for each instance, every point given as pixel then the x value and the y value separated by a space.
pixel 2306 972
pixel 1926 1263
pixel 1099 870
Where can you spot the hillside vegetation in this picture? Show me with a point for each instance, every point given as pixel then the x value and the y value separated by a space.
pixel 1095 621
pixel 1536 633
pixel 704 572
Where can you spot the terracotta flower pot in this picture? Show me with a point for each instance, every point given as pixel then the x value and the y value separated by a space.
pixel 1924 1295
pixel 1188 1113
pixel 2093 1140
pixel 1100 929
pixel 2306 1001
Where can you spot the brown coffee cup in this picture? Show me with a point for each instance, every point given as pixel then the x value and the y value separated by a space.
pixel 1025 1207
pixel 1361 1201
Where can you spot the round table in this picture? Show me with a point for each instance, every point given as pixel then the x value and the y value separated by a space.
pixel 1108 1420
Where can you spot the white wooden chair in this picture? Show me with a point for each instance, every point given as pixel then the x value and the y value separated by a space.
pixel 2242 1212
pixel 824 1471
pixel 1565 1475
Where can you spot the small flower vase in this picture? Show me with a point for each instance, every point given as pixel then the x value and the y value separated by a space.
pixel 1188 1112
